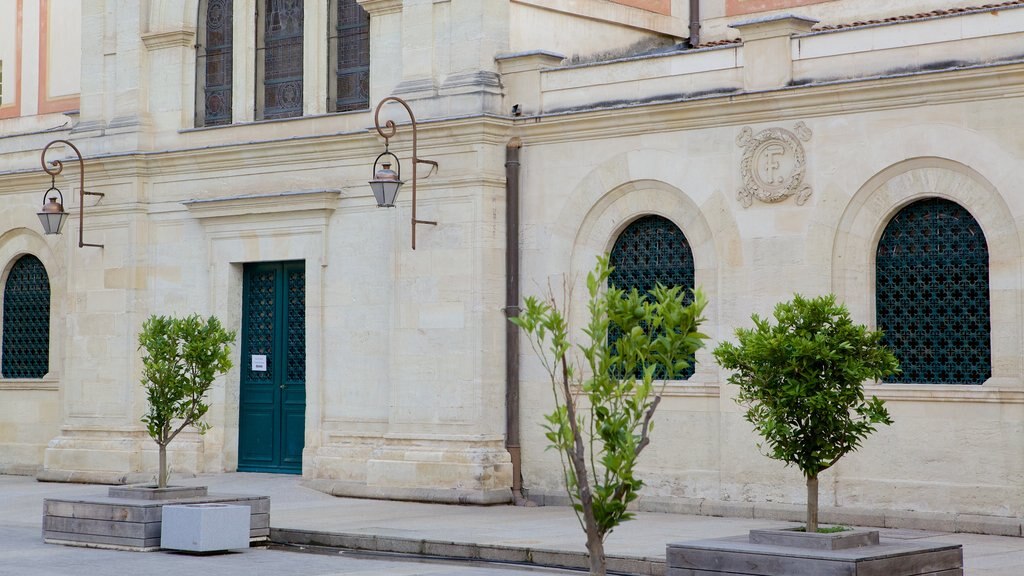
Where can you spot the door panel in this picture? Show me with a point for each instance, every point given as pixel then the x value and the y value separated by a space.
pixel 272 403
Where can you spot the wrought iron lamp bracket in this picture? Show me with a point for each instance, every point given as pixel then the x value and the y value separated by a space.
pixel 58 167
pixel 387 132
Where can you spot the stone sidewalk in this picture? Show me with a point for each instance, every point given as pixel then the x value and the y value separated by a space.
pixel 547 535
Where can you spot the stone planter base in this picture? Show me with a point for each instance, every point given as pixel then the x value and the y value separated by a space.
pixel 788 553
pixel 133 523
pixel 799 539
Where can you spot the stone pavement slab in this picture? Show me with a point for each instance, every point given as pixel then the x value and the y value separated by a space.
pixel 538 529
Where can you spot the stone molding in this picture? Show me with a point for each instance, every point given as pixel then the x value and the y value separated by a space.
pixel 320 200
pixel 185 38
pixel 789 103
pixel 859 227
pixel 966 394
pixel 381 7
pixel 611 206
pixel 779 149
pixel 774 26
pixel 41 384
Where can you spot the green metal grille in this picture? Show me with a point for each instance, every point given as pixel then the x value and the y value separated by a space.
pixel 296 326
pixel 650 251
pixel 260 317
pixel 932 294
pixel 26 330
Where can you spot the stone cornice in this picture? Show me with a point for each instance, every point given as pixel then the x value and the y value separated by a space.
pixel 170 39
pixel 440 136
pixel 795 102
pixel 381 7
pixel 323 201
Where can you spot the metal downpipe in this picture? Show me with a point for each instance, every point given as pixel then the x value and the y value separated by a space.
pixel 694 39
pixel 512 310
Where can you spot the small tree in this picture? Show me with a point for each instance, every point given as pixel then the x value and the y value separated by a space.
pixel 599 449
pixel 801 382
pixel 182 358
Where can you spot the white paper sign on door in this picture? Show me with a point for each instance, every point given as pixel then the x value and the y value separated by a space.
pixel 259 363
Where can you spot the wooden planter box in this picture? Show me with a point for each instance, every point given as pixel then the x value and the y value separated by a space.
pixel 129 517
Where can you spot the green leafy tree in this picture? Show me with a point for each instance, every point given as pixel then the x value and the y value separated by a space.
pixel 600 440
pixel 801 382
pixel 182 358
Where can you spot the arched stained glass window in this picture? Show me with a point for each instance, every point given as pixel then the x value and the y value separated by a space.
pixel 213 63
pixel 26 329
pixel 279 59
pixel 350 57
pixel 649 251
pixel 932 294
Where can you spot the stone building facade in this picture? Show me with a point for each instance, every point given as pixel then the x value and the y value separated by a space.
pixel 861 147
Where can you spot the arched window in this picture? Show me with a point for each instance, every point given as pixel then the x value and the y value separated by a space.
pixel 26 329
pixel 349 51
pixel 932 294
pixel 213 63
pixel 649 251
pixel 279 59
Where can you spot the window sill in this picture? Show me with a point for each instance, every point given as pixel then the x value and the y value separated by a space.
pixel 45 384
pixel 274 121
pixel 687 389
pixel 959 393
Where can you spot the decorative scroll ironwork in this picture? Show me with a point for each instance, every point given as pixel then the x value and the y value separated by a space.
pixel 216 62
pixel 26 330
pixel 351 57
pixel 282 58
pixel 649 251
pixel 932 294
pixel 261 319
pixel 296 332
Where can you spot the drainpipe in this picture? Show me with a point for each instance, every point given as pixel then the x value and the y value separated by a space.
pixel 512 310
pixel 694 39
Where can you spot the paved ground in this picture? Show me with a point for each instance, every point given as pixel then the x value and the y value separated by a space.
pixel 295 508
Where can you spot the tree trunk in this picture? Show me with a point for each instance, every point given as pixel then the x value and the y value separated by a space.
pixel 595 548
pixel 162 478
pixel 812 505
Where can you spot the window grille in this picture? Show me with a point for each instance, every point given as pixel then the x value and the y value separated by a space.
pixel 26 320
pixel 280 59
pixel 214 63
pixel 932 294
pixel 649 251
pixel 350 55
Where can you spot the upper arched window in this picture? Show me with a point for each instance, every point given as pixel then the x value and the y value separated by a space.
pixel 649 251
pixel 26 320
pixel 279 59
pixel 213 63
pixel 349 51
pixel 932 294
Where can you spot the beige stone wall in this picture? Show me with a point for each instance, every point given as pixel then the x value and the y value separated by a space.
pixel 405 349
pixel 870 151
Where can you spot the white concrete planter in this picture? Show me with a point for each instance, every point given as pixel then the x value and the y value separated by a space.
pixel 204 527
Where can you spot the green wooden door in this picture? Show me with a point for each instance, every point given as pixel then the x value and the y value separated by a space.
pixel 272 403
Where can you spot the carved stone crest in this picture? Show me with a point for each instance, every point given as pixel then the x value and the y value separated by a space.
pixel 773 164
